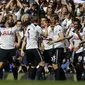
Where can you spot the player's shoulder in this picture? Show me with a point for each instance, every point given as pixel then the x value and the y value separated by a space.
pixel 49 29
pixel 1 28
pixel 58 26
pixel 29 26
pixel 84 29
pixel 33 26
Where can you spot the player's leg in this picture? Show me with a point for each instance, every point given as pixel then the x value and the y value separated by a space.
pixel 59 73
pixel 15 71
pixel 40 73
pixel 1 70
pixel 48 60
pixel 30 64
pixel 2 59
pixel 78 63
pixel 12 59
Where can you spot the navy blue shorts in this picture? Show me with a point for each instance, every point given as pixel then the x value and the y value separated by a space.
pixel 33 56
pixel 7 55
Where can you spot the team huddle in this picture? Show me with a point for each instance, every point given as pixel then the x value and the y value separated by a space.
pixel 51 43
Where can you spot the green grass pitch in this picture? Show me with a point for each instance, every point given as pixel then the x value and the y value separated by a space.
pixel 27 82
pixel 10 81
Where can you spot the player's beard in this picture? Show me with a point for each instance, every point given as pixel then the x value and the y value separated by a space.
pixel 11 24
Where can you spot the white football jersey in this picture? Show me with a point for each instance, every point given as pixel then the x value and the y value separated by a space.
pixel 84 30
pixel 66 23
pixel 50 36
pixel 76 41
pixel 57 30
pixel 32 35
pixel 7 37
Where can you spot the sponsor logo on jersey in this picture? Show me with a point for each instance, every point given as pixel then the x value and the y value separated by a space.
pixel 7 33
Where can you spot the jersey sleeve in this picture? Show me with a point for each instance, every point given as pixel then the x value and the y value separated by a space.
pixel 84 31
pixel 71 33
pixel 39 29
pixel 16 28
pixel 60 30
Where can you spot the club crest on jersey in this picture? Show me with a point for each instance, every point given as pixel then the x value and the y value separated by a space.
pixel 7 33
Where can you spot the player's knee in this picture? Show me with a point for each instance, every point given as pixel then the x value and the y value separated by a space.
pixel 42 63
pixel 1 64
pixel 13 66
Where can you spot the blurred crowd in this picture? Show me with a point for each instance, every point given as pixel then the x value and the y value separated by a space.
pixel 61 39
